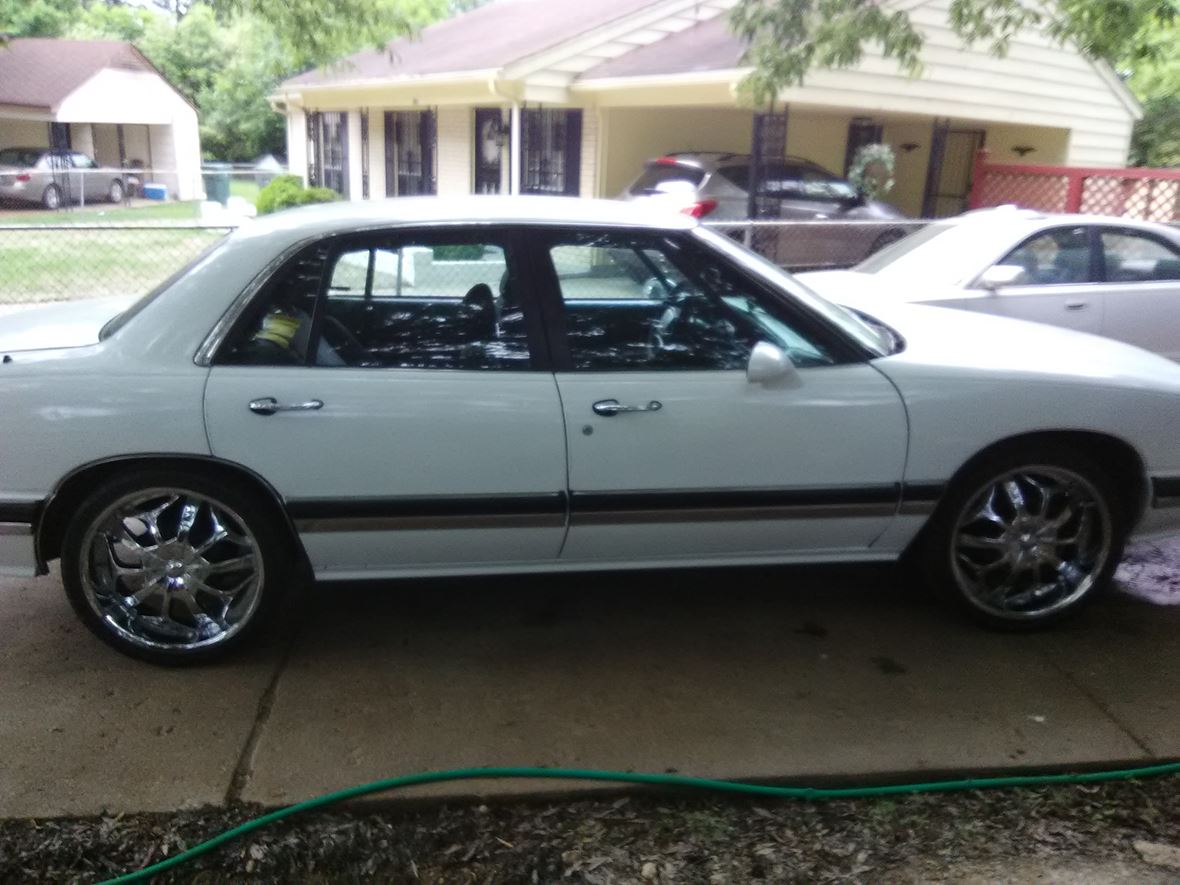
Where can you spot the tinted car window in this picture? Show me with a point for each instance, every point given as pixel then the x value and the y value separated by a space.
pixel 417 303
pixel 1053 258
pixel 1134 257
pixel 636 302
pixel 23 157
pixel 667 178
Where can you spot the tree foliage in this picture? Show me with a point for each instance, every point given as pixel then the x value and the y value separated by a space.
pixel 786 39
pixel 1156 80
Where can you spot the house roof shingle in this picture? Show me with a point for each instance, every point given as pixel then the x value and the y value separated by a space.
pixel 488 37
pixel 40 72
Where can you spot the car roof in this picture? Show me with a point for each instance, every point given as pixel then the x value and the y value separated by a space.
pixel 1036 219
pixel 327 218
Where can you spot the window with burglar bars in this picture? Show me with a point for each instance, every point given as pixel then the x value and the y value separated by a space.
pixel 409 153
pixel 551 151
pixel 327 150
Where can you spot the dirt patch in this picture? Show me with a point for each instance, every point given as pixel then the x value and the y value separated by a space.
pixel 1063 834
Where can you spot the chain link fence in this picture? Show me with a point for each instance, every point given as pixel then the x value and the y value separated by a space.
pixel 61 262
pixel 40 263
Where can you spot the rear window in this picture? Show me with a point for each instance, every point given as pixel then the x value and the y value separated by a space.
pixel 667 179
pixel 791 180
pixel 19 157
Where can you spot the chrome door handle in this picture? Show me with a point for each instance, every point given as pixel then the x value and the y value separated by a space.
pixel 1076 305
pixel 268 405
pixel 609 407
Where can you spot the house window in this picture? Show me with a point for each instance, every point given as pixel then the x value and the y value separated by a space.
pixel 861 131
pixel 327 150
pixel 551 151
pixel 410 148
pixel 490 134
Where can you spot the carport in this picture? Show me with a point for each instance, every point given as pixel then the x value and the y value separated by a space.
pixel 104 99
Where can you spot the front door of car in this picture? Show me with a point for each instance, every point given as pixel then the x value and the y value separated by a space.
pixel 1141 272
pixel 1053 282
pixel 673 453
pixel 391 389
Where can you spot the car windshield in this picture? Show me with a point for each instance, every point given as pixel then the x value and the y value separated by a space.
pixel 23 157
pixel 943 253
pixel 873 338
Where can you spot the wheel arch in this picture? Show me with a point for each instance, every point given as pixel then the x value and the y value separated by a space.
pixel 1119 456
pixel 75 486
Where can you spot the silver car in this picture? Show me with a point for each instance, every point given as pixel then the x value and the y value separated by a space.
pixel 54 177
pixel 716 185
pixel 1115 277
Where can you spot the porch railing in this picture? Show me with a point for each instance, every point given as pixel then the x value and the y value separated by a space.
pixel 1144 194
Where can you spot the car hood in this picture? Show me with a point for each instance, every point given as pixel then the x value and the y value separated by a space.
pixel 960 341
pixel 68 324
pixel 839 285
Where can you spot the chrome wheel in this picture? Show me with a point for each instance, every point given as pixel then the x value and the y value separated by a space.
pixel 169 569
pixel 1031 542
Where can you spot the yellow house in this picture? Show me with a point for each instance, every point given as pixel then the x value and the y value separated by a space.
pixel 572 96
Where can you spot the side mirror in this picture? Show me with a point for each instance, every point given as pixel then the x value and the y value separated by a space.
pixel 769 363
pixel 1000 275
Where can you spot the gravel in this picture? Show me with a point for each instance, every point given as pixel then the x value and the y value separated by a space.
pixel 1082 833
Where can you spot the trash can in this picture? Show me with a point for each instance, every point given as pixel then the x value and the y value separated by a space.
pixel 216 177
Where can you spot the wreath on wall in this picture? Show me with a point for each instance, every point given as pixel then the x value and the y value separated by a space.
pixel 871 172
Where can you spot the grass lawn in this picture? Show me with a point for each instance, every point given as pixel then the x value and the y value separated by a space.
pixel 104 213
pixel 246 188
pixel 61 265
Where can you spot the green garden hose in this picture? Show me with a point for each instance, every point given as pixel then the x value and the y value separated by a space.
pixel 659 780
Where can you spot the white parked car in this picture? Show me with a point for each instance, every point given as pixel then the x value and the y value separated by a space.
pixel 1109 276
pixel 424 387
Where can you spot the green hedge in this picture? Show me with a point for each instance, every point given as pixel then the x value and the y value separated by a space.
pixel 286 191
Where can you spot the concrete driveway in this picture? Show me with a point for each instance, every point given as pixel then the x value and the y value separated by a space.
pixel 806 676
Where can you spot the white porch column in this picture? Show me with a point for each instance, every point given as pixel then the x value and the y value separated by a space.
pixel 376 154
pixel 514 158
pixel 297 142
pixel 354 155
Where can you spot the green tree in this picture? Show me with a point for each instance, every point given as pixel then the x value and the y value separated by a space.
pixel 789 38
pixel 1156 81
pixel 36 18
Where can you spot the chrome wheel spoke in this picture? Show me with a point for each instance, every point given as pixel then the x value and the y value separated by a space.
pixel 146 573
pixel 1031 542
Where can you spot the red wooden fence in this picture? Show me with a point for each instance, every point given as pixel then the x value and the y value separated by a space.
pixel 1148 194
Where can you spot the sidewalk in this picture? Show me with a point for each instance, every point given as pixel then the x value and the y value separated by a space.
pixel 777 674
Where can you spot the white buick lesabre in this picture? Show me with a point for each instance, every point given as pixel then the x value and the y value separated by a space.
pixel 423 387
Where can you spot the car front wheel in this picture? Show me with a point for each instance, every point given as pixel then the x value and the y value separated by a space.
pixel 1024 541
pixel 173 568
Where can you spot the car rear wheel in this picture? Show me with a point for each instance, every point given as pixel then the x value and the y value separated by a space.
pixel 51 197
pixel 115 194
pixel 1023 541
pixel 173 568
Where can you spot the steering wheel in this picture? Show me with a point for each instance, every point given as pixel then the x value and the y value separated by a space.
pixel 683 305
pixel 340 339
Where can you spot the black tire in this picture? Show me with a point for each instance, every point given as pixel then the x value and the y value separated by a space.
pixel 244 514
pixel 949 569
pixel 115 192
pixel 51 197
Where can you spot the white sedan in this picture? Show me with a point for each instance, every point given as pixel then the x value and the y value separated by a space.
pixel 1109 276
pixel 427 387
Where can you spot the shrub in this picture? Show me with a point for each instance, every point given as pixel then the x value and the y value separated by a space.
pixel 286 191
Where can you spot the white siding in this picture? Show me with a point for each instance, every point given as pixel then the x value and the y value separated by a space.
pixel 455 158
pixel 23 133
pixel 588 181
pixel 1038 84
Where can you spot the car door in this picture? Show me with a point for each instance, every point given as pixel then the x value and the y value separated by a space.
pixel 89 182
pixel 1057 282
pixel 673 453
pixel 399 405
pixel 1141 272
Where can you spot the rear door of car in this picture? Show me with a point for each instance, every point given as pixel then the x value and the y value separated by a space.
pixel 673 453
pixel 1141 271
pixel 394 388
